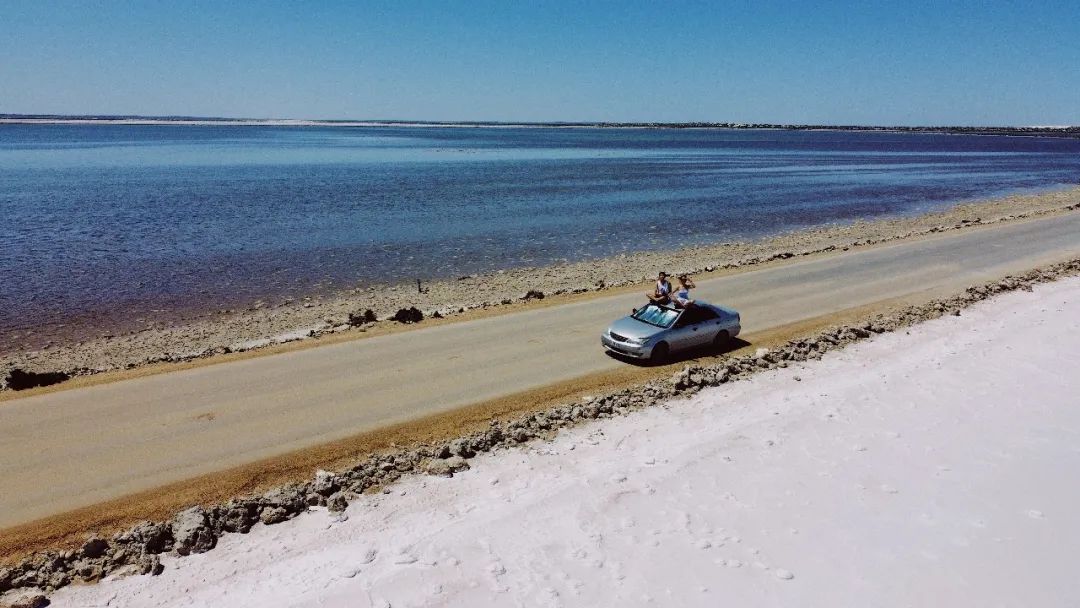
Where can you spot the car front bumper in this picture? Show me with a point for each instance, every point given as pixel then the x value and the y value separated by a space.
pixel 622 348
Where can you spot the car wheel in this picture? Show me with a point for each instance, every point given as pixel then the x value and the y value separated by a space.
pixel 660 352
pixel 721 339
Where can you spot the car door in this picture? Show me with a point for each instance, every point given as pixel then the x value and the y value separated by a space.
pixel 688 331
pixel 710 323
pixel 705 323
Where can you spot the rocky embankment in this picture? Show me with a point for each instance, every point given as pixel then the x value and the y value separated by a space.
pixel 197 529
pixel 265 324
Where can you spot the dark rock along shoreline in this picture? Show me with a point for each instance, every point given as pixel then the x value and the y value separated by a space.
pixel 196 529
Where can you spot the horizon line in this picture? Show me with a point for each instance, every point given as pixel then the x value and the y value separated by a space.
pixel 59 118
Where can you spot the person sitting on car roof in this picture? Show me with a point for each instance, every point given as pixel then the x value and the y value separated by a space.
pixel 682 294
pixel 662 292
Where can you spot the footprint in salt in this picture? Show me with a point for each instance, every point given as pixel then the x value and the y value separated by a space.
pixel 1035 514
pixel 733 563
pixel 429 559
pixel 889 489
pixel 405 557
pixel 683 521
pixel 784 575
pixel 368 556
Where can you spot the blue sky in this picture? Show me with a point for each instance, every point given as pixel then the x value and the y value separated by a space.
pixel 988 62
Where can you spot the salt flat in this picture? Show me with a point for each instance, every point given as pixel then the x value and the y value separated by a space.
pixel 933 467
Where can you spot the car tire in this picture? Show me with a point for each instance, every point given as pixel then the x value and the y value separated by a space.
pixel 660 352
pixel 721 339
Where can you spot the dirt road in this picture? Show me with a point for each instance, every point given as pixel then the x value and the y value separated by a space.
pixel 72 448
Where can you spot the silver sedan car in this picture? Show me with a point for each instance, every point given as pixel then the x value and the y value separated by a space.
pixel 653 332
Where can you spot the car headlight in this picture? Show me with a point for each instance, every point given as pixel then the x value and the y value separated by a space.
pixel 637 341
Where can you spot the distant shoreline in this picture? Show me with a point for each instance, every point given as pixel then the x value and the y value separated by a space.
pixel 51 119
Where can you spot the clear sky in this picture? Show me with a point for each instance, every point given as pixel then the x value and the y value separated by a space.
pixel 942 62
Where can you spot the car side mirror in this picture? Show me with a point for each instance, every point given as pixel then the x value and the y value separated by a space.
pixel 633 311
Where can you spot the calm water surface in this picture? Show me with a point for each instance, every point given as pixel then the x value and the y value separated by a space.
pixel 107 223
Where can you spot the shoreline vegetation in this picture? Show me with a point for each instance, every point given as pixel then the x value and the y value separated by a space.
pixel 1040 130
pixel 54 355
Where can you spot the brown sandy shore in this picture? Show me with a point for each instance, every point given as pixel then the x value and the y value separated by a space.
pixel 265 327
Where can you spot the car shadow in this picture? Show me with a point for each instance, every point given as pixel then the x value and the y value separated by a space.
pixel 692 354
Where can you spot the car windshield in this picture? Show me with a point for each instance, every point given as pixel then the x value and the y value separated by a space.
pixel 656 315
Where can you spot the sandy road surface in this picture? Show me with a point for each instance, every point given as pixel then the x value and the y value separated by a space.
pixel 67 449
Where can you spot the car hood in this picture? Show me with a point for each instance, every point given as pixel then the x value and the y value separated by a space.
pixel 632 328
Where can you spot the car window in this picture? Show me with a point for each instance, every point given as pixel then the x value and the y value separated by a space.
pixel 689 317
pixel 656 315
pixel 694 315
